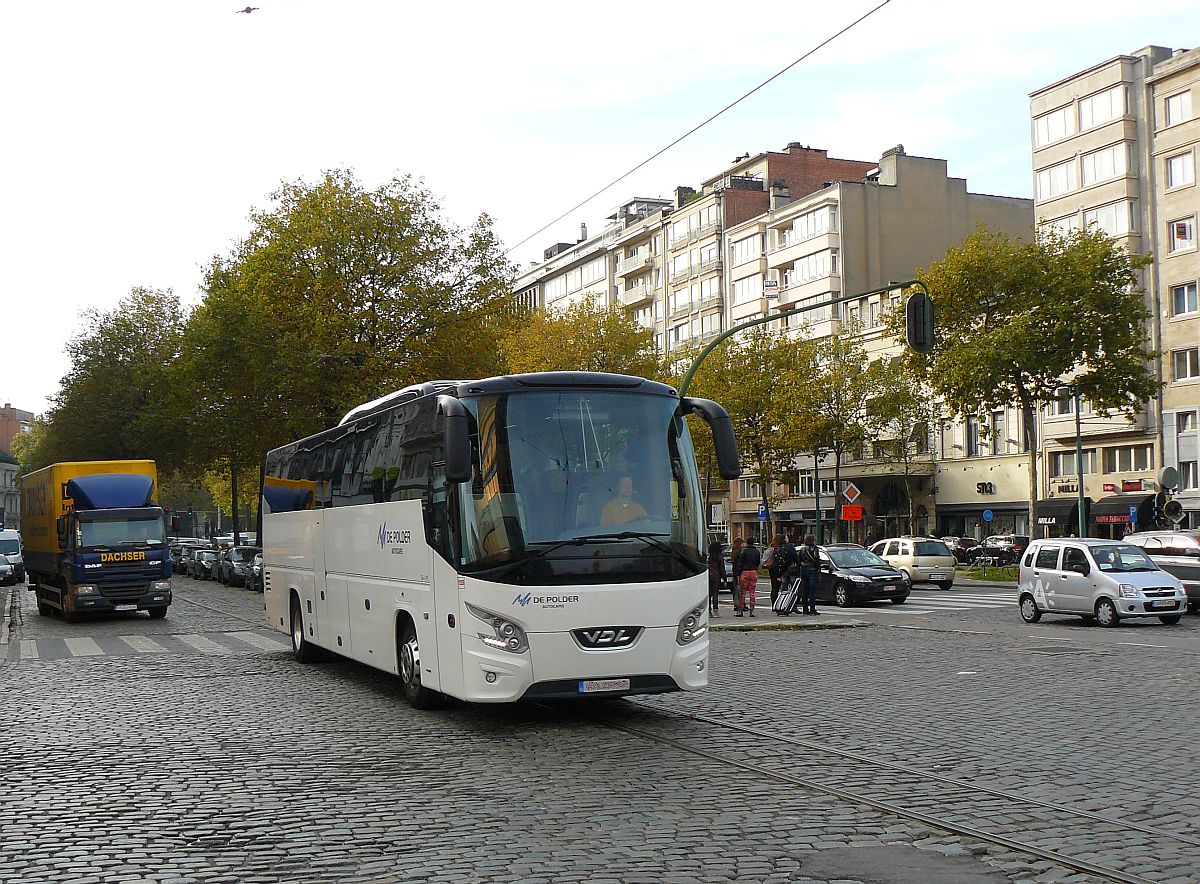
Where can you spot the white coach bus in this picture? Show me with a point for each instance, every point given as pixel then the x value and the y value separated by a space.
pixel 520 537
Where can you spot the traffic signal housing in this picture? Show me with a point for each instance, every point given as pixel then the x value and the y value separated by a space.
pixel 918 322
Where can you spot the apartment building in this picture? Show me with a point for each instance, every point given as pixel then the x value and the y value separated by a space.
pixel 1115 146
pixel 857 235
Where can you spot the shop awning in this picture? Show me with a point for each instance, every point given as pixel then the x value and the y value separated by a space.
pixel 1061 511
pixel 1002 506
pixel 1114 509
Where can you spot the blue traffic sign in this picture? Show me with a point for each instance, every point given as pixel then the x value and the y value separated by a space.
pixel 1132 513
pixel 762 512
pixel 987 515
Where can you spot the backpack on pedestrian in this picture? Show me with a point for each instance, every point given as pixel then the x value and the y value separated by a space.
pixel 784 560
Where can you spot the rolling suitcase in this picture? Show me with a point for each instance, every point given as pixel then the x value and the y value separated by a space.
pixel 786 600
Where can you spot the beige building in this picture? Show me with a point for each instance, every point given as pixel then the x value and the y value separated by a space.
pixel 1115 146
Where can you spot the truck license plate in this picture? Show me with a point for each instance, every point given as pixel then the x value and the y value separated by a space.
pixel 124 607
pixel 603 684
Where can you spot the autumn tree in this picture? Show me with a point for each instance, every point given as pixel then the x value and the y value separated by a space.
pixel 1017 319
pixel 584 337
pixel 903 414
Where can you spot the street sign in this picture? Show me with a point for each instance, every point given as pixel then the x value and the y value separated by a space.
pixel 762 512
pixel 851 492
pixel 851 513
pixel 1132 513
pixel 987 515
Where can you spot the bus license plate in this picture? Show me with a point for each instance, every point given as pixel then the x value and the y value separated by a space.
pixel 124 607
pixel 603 684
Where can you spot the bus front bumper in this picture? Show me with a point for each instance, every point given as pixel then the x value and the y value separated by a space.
pixel 555 666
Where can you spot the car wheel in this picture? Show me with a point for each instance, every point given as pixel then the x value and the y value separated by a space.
pixel 945 584
pixel 302 649
pixel 409 654
pixel 1106 614
pixel 899 600
pixel 1171 619
pixel 1030 612
pixel 841 596
pixel 157 613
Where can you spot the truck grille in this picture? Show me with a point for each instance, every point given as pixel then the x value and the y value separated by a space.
pixel 124 589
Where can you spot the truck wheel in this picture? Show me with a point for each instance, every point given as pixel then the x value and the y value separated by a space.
pixel 157 613
pixel 44 609
pixel 302 649
pixel 419 696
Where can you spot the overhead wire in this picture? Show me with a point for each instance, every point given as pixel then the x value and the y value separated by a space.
pixel 701 124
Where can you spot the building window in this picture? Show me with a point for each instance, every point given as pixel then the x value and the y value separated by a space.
pixel 1062 463
pixel 1183 298
pixel 710 324
pixel 749 489
pixel 997 432
pixel 1056 180
pixel 807 487
pixel 1186 363
pixel 1115 219
pixel 1062 405
pixel 1103 165
pixel 1181 170
pixel 1185 422
pixel 1063 226
pixel 1128 458
pixel 1187 476
pixel 972 436
pixel 747 249
pixel 1101 107
pixel 1181 234
pixel 1054 126
pixel 1179 108
pixel 748 289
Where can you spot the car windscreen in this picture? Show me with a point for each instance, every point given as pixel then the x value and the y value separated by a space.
pixel 931 548
pixel 1122 558
pixel 854 558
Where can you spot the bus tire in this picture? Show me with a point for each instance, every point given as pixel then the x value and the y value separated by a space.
pixel 302 649
pixel 408 658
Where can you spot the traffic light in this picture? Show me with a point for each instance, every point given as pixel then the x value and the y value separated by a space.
pixel 918 322
pixel 1160 509
pixel 1173 510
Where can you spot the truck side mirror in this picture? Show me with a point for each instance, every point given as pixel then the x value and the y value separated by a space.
pixel 724 440
pixel 61 524
pixel 457 439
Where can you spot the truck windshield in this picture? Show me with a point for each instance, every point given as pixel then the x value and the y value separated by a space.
pixel 10 548
pixel 580 486
pixel 120 532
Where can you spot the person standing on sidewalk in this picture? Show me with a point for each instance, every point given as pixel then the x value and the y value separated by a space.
pixel 810 573
pixel 751 560
pixel 774 562
pixel 716 574
pixel 735 568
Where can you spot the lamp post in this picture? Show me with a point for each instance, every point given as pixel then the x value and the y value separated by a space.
pixel 1074 390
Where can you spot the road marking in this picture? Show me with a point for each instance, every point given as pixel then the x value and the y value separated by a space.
pixel 1143 645
pixel 202 644
pixel 142 645
pixel 259 641
pixel 29 649
pixel 84 647
pixel 1049 638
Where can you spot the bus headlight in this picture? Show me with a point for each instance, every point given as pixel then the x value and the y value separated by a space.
pixel 506 635
pixel 692 625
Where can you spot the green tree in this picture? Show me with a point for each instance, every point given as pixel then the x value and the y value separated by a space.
pixel 1017 319
pixel 584 337
pixel 903 414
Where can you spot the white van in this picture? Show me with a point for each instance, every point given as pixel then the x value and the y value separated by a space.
pixel 1105 580
pixel 10 546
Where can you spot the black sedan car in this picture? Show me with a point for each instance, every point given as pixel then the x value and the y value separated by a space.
pixel 851 573
pixel 203 563
pixel 962 547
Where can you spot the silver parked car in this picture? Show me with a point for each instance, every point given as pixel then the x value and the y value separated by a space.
pixel 1105 580
pixel 1176 552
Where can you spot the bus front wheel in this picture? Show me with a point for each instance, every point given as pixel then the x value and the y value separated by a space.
pixel 409 653
pixel 302 649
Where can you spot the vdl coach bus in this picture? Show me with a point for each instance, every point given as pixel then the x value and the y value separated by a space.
pixel 519 537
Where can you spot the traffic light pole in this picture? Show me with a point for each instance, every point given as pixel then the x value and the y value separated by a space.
pixel 783 314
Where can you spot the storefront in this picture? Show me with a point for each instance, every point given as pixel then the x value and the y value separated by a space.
pixel 1059 516
pixel 1117 515
pixel 967 519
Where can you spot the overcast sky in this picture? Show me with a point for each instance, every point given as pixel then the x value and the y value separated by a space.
pixel 139 135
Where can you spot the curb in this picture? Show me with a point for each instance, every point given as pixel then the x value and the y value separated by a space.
pixel 10 602
pixel 786 627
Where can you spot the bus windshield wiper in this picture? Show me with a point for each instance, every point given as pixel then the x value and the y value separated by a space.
pixel 651 537
pixel 544 548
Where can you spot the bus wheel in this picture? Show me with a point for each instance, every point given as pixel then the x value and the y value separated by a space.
pixel 409 653
pixel 302 649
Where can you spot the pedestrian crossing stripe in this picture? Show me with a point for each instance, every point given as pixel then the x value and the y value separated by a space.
pixel 222 643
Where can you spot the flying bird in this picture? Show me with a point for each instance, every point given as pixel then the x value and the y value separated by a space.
pixel 247 10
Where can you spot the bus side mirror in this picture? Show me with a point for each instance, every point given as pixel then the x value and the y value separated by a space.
pixel 457 439
pixel 724 440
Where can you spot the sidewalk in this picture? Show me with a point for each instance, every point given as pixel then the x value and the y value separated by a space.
pixel 764 618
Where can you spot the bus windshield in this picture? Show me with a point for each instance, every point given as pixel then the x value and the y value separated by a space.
pixel 580 486
pixel 120 532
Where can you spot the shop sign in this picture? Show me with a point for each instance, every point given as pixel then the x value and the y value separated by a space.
pixel 1110 486
pixel 851 513
pixel 1131 484
pixel 1067 489
pixel 1113 520
pixel 1047 520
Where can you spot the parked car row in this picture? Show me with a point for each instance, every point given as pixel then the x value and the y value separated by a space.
pixel 229 565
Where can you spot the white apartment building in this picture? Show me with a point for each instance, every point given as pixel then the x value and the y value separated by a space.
pixel 1115 146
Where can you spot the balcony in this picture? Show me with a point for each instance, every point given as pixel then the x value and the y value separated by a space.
pixel 1061 427
pixel 820 290
pixel 793 249
pixel 636 294
pixel 919 465
pixel 635 264
pixel 706 266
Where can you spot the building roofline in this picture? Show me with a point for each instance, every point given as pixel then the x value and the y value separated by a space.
pixel 1093 68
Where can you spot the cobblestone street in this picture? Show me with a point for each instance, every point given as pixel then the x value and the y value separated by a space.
pixel 193 749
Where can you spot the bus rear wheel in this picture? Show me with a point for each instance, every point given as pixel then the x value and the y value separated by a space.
pixel 302 649
pixel 409 654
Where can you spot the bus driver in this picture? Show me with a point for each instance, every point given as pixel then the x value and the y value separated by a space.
pixel 622 508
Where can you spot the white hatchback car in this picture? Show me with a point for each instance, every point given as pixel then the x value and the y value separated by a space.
pixel 923 559
pixel 1107 580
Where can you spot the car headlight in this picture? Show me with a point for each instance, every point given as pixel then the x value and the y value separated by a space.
pixel 1127 591
pixel 692 625
pixel 87 589
pixel 507 636
pixel 858 578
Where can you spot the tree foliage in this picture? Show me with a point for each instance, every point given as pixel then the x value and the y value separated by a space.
pixel 903 414
pixel 1017 319
pixel 584 337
